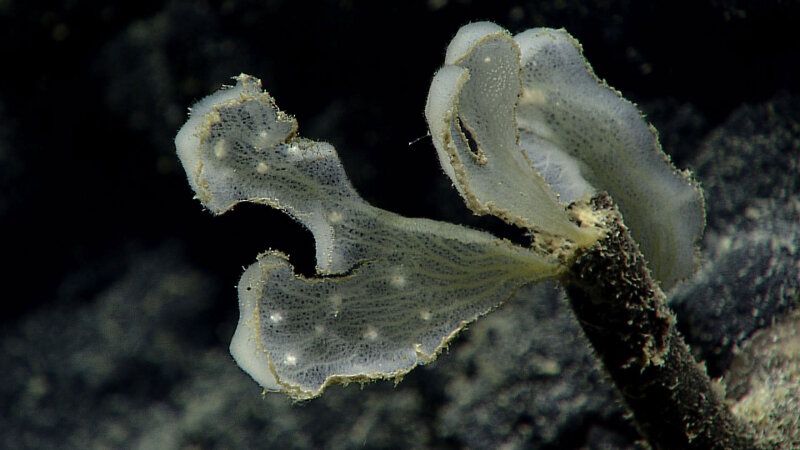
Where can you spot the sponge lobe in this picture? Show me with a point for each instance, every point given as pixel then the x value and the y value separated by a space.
pixel 471 115
pixel 563 105
pixel 390 293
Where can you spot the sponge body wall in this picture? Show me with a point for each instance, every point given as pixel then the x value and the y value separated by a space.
pixel 564 106
pixel 391 291
pixel 542 128
pixel 471 116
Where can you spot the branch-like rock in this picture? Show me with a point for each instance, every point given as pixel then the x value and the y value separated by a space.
pixel 625 316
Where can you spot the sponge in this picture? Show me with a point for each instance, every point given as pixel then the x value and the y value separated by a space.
pixel 390 291
pixel 522 124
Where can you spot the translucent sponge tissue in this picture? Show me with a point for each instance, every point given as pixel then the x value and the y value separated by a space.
pixel 391 291
pixel 521 126
pixel 578 134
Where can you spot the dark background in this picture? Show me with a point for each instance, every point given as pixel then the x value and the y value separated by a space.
pixel 92 94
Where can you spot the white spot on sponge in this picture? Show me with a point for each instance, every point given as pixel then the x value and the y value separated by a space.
pixel 335 217
pixel 371 333
pixel 220 150
pixel 398 279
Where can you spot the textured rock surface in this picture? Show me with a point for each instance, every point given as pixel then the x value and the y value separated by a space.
pixel 554 389
pixel 750 167
pixel 765 380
